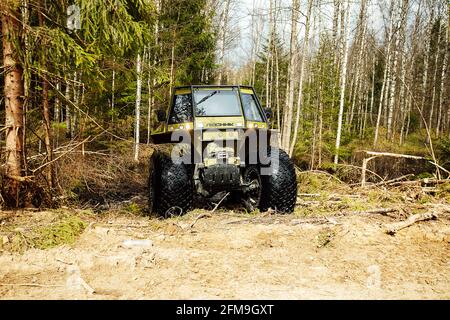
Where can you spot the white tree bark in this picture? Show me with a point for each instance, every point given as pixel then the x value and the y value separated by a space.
pixel 436 60
pixel 427 58
pixel 223 38
pixel 393 82
pixel 138 107
pixel 302 76
pixel 385 85
pixel 68 110
pixel 57 109
pixel 441 95
pixel 345 45
pixel 359 63
pixel 113 89
pixel 289 108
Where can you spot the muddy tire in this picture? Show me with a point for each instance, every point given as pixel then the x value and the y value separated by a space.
pixel 279 188
pixel 170 186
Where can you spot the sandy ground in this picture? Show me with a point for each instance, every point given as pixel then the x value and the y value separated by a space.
pixel 231 256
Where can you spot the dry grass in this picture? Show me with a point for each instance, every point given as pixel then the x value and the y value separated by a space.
pixel 102 179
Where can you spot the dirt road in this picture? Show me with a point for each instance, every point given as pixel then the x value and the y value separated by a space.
pixel 231 256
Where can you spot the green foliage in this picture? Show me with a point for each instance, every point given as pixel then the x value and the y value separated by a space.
pixel 134 208
pixel 112 34
pixel 443 151
pixel 65 231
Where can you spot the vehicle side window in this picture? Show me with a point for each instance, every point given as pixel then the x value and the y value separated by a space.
pixel 181 111
pixel 251 109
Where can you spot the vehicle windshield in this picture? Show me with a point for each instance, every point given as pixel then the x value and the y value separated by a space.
pixel 216 102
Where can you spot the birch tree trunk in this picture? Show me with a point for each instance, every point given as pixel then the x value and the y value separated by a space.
pixel 68 110
pixel 427 60
pixel 345 45
pixel 153 63
pixel 372 97
pixel 57 104
pixel 223 39
pixel 138 107
pixel 172 65
pixel 436 61
pixel 302 75
pixel 149 104
pixel 113 89
pixel 412 64
pixel 359 69
pixel 277 92
pixel 269 55
pixel 257 31
pixel 46 113
pixel 289 108
pixel 76 102
pixel 443 89
pixel 393 82
pixel 402 102
pixel 385 84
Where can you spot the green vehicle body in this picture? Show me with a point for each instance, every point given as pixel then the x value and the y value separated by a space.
pixel 220 143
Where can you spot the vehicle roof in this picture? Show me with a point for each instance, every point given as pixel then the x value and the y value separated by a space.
pixel 214 86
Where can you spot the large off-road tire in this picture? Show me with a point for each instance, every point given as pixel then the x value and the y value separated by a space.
pixel 170 186
pixel 279 188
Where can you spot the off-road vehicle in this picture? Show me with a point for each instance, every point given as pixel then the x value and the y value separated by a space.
pixel 216 139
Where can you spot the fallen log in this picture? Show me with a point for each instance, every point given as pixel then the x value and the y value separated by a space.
pixel 420 182
pixel 392 181
pixel 393 228
pixel 374 155
pixel 313 220
pixel 383 211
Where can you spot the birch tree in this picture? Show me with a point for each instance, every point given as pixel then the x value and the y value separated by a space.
pixel 289 107
pixel 343 82
pixel 302 75
pixel 223 38
pixel 443 89
pixel 138 107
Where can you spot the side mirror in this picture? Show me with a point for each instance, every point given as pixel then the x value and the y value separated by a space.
pixel 268 113
pixel 161 114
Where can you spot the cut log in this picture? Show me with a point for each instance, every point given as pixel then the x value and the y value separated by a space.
pixel 392 181
pixel 383 211
pixel 393 228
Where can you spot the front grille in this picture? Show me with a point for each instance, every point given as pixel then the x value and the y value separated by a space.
pixel 222 155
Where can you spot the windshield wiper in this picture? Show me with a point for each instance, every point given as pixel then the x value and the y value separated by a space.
pixel 207 97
